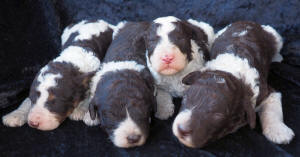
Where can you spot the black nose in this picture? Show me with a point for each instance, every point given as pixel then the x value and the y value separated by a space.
pixel 33 124
pixel 184 131
pixel 133 138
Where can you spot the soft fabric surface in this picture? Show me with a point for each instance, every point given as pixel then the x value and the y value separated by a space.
pixel 30 37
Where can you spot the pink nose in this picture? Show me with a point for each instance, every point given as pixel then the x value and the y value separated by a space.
pixel 167 59
pixel 33 124
pixel 184 131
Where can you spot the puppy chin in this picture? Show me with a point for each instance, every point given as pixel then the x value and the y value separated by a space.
pixel 171 69
pixel 43 119
pixel 168 71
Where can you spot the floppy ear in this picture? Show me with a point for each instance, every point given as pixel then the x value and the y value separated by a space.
pixel 86 78
pixel 250 111
pixel 251 116
pixel 200 36
pixel 191 77
pixel 93 111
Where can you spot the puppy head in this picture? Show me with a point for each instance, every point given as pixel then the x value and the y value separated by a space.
pixel 169 43
pixel 54 94
pixel 123 102
pixel 215 105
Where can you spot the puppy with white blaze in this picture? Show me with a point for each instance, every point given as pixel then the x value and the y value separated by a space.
pixel 123 89
pixel 175 48
pixel 225 94
pixel 61 89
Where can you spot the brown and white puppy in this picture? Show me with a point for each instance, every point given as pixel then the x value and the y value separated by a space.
pixel 61 88
pixel 175 48
pixel 123 89
pixel 224 95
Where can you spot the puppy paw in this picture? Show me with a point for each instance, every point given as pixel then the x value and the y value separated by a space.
pixel 88 121
pixel 14 119
pixel 77 114
pixel 279 133
pixel 164 111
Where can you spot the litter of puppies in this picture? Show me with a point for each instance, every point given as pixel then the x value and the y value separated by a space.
pixel 120 76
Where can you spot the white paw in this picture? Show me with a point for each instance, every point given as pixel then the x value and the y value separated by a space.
pixel 279 133
pixel 164 111
pixel 88 121
pixel 15 119
pixel 77 114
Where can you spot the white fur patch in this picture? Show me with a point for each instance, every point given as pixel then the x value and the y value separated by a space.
pixel 113 67
pixel 166 20
pixel 279 42
pixel 85 30
pixel 220 32
pixel 239 34
pixel 271 117
pixel 208 30
pixel 18 117
pixel 119 26
pixel 173 83
pixel 182 118
pixel 126 128
pixel 239 68
pixel 88 120
pixel 165 106
pixel 85 60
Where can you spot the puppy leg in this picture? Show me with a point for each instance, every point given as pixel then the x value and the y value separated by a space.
pixel 165 106
pixel 79 112
pixel 88 120
pixel 18 117
pixel 271 117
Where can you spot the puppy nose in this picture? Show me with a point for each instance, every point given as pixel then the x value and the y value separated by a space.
pixel 184 131
pixel 133 138
pixel 33 124
pixel 167 59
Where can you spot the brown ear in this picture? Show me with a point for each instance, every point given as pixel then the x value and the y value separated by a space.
pixel 191 77
pixel 93 111
pixel 86 78
pixel 200 37
pixel 251 115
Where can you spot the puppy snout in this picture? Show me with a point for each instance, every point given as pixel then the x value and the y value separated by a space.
pixel 184 130
pixel 33 124
pixel 167 59
pixel 132 139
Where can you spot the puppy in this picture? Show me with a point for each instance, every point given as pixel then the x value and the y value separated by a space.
pixel 224 95
pixel 61 88
pixel 123 90
pixel 175 48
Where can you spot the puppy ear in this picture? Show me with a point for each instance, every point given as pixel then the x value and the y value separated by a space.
pixel 251 116
pixel 202 33
pixel 191 77
pixel 250 111
pixel 93 111
pixel 86 78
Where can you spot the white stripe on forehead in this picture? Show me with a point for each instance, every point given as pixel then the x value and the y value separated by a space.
pixel 85 60
pixel 85 30
pixel 125 129
pixel 166 26
pixel 46 81
pixel 111 67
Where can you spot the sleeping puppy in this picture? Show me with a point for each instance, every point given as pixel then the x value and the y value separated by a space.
pixel 123 89
pixel 61 88
pixel 224 95
pixel 175 48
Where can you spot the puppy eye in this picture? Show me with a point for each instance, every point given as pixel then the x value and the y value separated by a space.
pixel 149 120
